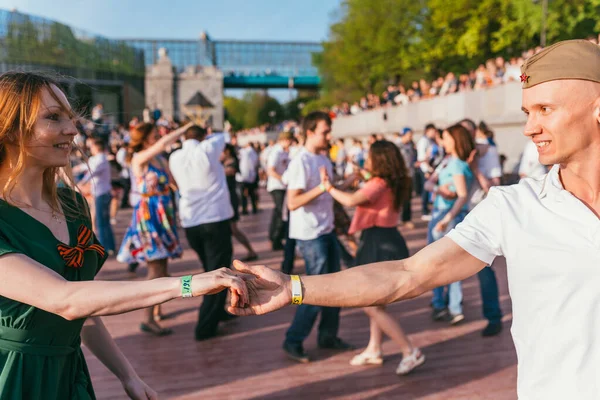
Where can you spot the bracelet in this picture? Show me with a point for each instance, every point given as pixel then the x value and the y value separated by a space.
pixel 323 188
pixel 186 286
pixel 296 290
pixel 367 175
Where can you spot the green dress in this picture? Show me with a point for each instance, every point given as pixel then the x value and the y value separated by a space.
pixel 40 353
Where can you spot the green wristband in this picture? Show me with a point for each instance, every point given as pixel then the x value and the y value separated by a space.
pixel 186 286
pixel 367 175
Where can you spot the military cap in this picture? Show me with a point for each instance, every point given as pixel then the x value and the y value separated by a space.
pixel 569 59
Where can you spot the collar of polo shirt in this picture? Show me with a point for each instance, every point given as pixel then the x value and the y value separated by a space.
pixel 551 183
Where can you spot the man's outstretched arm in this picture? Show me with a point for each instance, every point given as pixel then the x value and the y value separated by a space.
pixel 381 283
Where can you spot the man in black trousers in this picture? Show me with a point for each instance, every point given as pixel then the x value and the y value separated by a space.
pixel 276 165
pixel 205 211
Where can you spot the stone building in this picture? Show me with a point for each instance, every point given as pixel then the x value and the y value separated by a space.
pixel 170 90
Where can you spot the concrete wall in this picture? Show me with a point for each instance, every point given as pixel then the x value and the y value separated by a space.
pixel 209 82
pixel 170 92
pixel 499 107
pixel 159 86
pixel 133 102
pixel 262 137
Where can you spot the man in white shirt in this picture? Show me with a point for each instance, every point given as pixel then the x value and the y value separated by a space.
pixel 311 224
pixel 205 211
pixel 488 166
pixel 548 229
pixel 530 167
pixel 277 163
pixel 98 176
pixel 247 177
pixel 423 168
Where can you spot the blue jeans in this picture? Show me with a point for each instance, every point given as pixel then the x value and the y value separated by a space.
pixel 321 256
pixel 103 228
pixel 489 295
pixel 454 289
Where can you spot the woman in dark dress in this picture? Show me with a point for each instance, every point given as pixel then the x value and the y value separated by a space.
pixel 231 165
pixel 49 256
pixel 378 203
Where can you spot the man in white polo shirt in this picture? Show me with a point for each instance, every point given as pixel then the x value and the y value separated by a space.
pixel 548 229
pixel 277 162
pixel 99 177
pixel 311 224
pixel 205 211
pixel 490 171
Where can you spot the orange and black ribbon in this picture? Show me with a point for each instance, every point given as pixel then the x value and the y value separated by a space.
pixel 73 256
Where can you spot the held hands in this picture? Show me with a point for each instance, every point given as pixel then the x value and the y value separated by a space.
pixel 268 290
pixel 445 192
pixel 325 178
pixel 221 279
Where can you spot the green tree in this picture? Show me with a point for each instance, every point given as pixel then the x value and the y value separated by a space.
pixel 254 109
pixel 235 112
pixel 373 42
pixel 261 109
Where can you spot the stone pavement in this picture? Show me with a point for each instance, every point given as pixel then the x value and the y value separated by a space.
pixel 246 361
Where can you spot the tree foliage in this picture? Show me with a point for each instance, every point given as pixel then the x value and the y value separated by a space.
pixel 376 42
pixel 252 110
pixel 37 41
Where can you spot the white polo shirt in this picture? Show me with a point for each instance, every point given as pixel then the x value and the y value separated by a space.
pixel 489 166
pixel 200 177
pixel 530 165
pixel 279 160
pixel 99 175
pixel 551 242
pixel 315 218
pixel 248 165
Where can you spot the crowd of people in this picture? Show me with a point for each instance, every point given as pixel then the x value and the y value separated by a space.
pixel 199 180
pixel 154 167
pixel 494 72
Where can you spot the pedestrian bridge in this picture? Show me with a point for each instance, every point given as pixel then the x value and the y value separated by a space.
pixel 245 64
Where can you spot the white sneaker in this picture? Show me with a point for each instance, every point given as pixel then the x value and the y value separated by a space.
pixel 426 217
pixel 411 362
pixel 455 319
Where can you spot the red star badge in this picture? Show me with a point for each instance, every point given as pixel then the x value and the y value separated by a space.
pixel 524 78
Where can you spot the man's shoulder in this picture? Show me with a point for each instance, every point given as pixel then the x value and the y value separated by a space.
pixel 301 155
pixel 177 154
pixel 524 193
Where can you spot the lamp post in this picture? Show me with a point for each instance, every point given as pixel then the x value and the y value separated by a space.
pixel 272 114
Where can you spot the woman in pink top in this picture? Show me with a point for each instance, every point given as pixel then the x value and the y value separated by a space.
pixel 378 205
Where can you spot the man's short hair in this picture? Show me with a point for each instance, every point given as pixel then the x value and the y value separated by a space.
pixel 195 132
pixel 311 120
pixel 99 142
pixel 429 126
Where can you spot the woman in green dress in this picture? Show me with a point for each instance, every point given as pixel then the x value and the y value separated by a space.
pixel 49 256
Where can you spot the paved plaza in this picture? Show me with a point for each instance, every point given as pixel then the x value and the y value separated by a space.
pixel 246 361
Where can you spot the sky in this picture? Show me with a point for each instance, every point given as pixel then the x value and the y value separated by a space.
pixel 286 20
pixel 300 20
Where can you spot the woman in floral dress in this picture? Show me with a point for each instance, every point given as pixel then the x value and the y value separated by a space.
pixel 152 235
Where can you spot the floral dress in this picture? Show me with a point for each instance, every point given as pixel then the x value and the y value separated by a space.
pixel 152 234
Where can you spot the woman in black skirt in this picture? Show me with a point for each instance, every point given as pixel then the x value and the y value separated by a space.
pixel 231 165
pixel 378 205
